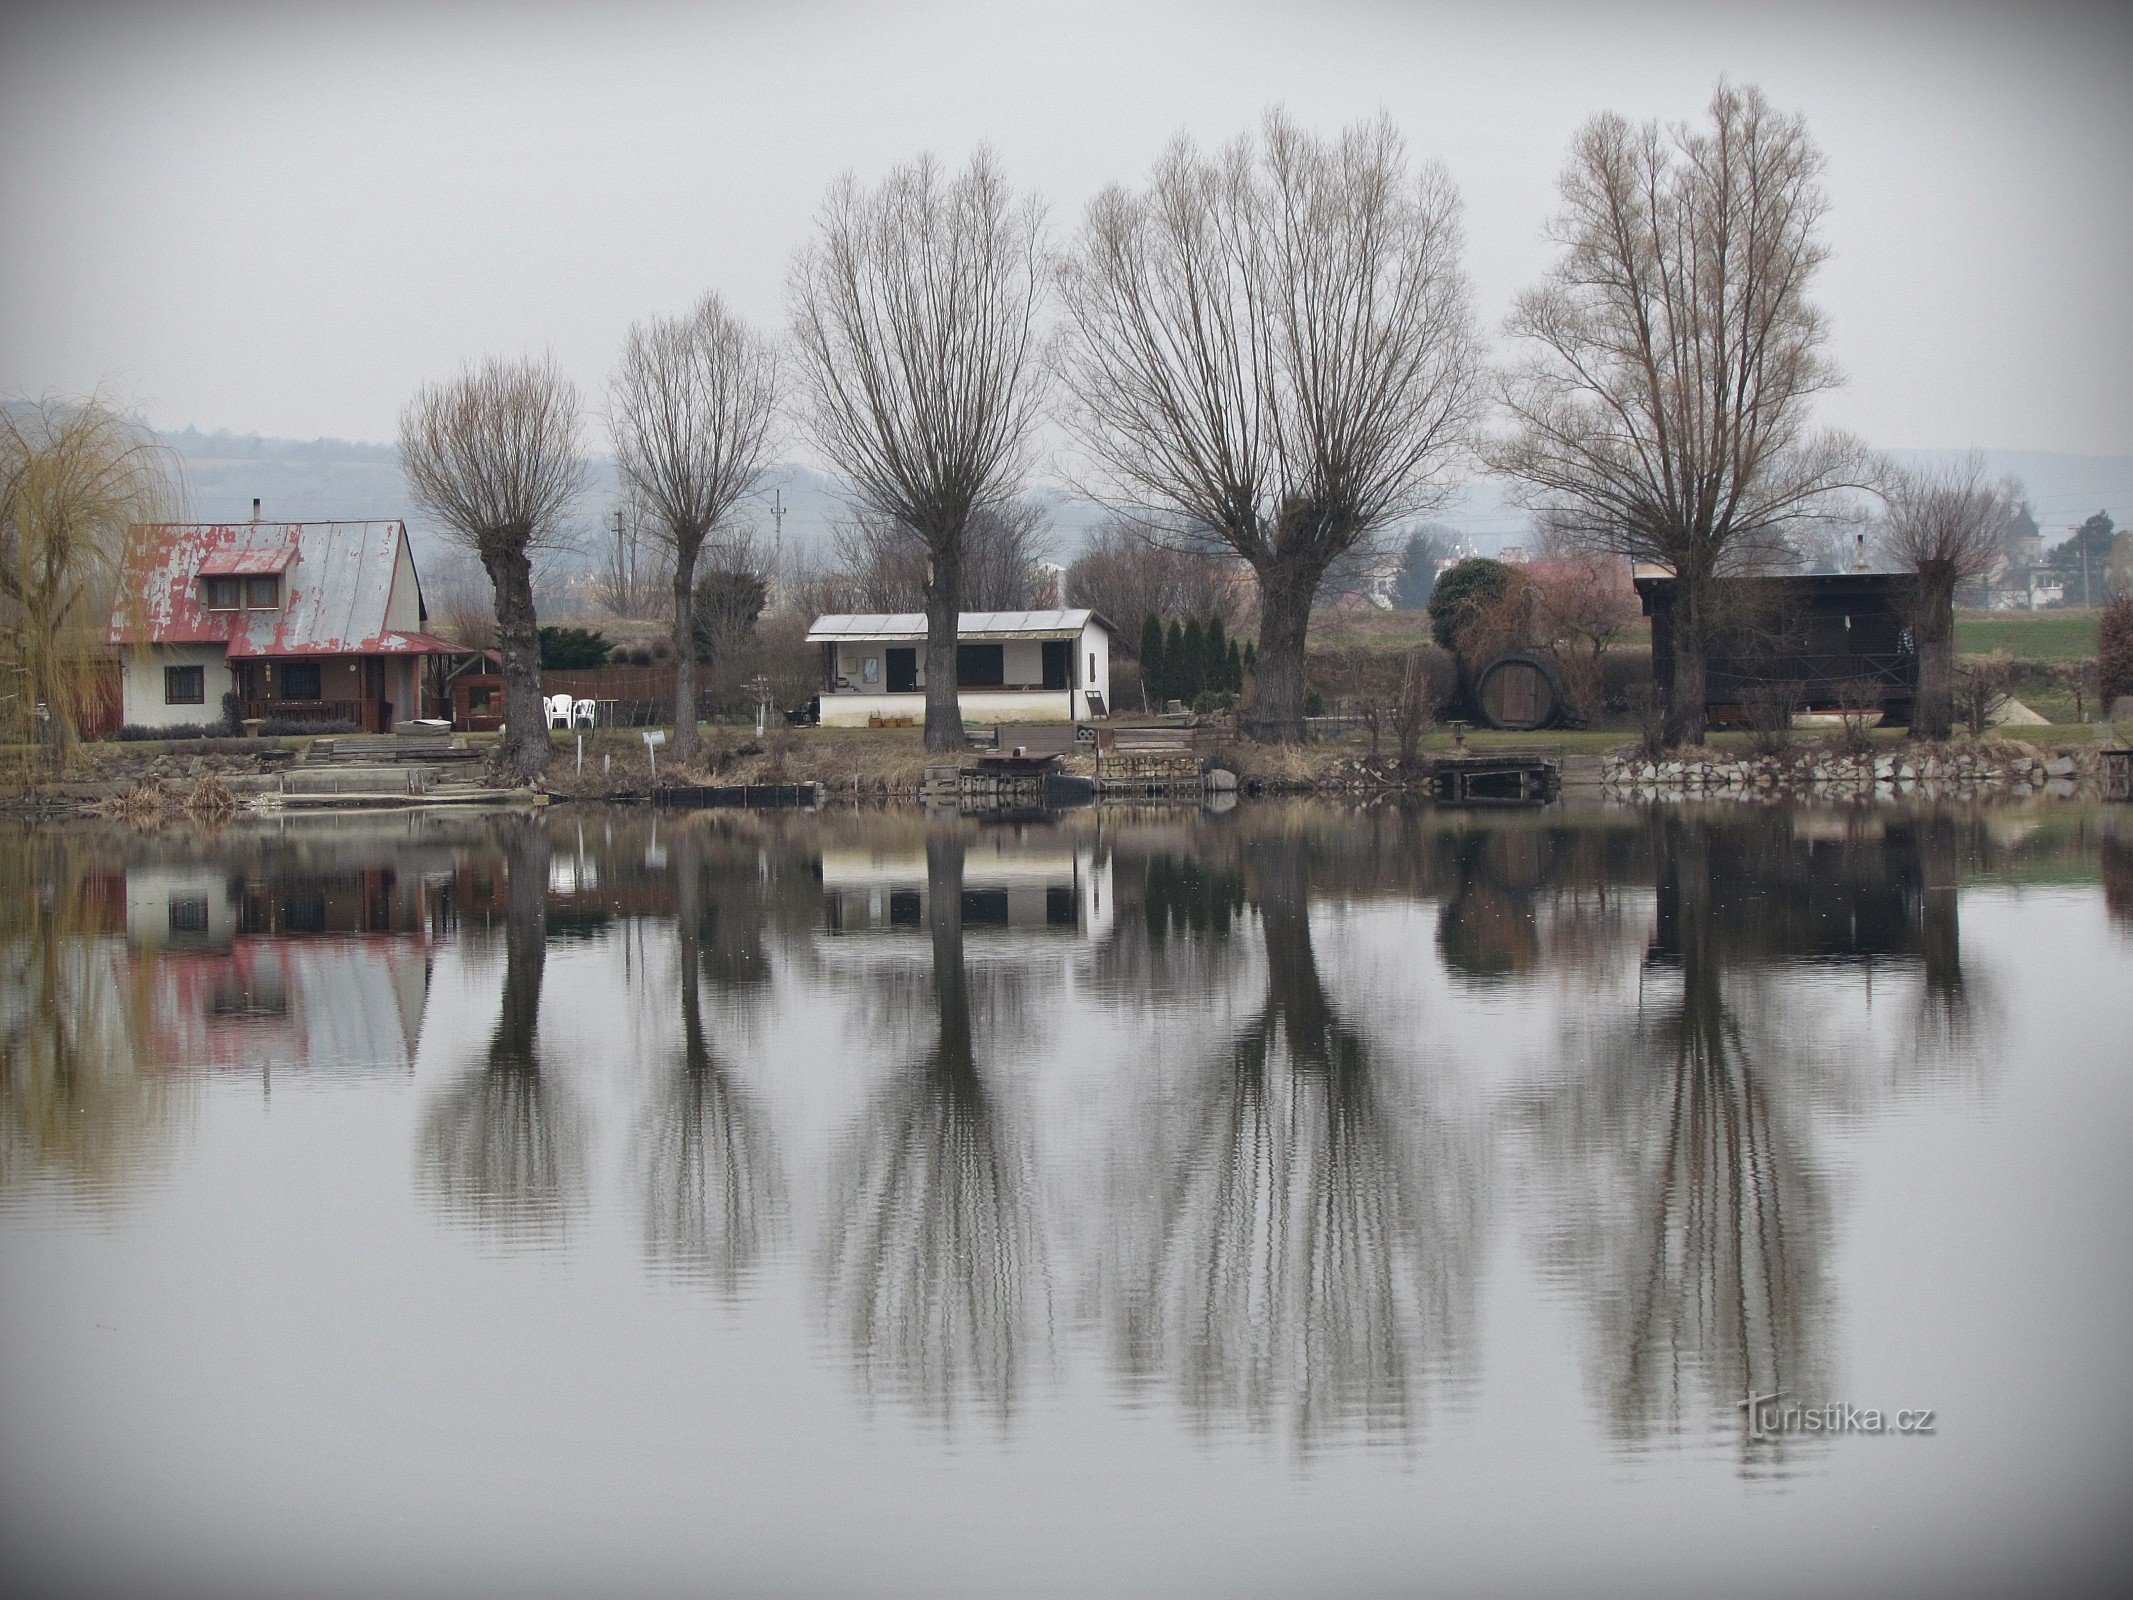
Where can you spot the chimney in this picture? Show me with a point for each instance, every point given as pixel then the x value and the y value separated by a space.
pixel 255 508
pixel 1860 565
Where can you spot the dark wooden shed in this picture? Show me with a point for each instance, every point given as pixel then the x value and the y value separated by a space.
pixel 1816 642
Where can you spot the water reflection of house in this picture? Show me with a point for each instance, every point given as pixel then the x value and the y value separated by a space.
pixel 323 971
pixel 1010 882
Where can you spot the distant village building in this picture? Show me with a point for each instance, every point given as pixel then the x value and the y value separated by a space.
pixel 1011 666
pixel 307 621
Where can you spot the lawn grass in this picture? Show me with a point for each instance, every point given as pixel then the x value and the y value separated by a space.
pixel 2040 635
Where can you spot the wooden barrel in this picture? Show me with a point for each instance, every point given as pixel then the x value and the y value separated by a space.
pixel 1517 693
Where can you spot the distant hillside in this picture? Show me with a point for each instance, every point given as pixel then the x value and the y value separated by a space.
pixel 298 479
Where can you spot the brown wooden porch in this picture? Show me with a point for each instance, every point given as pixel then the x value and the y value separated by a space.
pixel 357 690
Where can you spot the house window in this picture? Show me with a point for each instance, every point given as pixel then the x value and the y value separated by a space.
pixel 262 593
pixel 299 680
pixel 870 670
pixel 220 594
pixel 184 686
pixel 188 913
pixel 980 666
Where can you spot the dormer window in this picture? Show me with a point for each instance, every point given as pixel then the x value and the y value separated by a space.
pixel 253 592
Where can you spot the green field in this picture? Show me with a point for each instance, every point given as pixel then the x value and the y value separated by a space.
pixel 2039 635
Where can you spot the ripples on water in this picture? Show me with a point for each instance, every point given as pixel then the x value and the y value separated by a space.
pixel 1242 1127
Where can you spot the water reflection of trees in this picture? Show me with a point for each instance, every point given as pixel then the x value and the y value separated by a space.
pixel 934 1272
pixel 713 1196
pixel 1312 1251
pixel 503 1148
pixel 1681 1191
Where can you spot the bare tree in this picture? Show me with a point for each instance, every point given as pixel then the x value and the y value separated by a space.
pixel 913 311
pixel 884 562
pixel 1945 529
pixel 1127 576
pixel 74 477
pixel 1271 352
pixel 692 410
pixel 1663 412
pixel 631 578
pixel 493 455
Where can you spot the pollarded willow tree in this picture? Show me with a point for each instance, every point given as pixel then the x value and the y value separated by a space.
pixel 691 411
pixel 1662 413
pixel 1944 528
pixel 1271 352
pixel 914 317
pixel 493 455
pixel 74 478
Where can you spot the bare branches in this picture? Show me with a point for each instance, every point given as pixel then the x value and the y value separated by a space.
pixel 1946 529
pixel 1271 350
pixel 882 564
pixel 1950 522
pixel 913 312
pixel 1663 411
pixel 493 455
pixel 692 410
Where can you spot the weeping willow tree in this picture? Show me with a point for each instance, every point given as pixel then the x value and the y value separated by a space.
pixel 74 477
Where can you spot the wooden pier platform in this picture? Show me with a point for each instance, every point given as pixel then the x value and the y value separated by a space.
pixel 1498 778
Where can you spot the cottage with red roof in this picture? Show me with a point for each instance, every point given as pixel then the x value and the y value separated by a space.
pixel 310 621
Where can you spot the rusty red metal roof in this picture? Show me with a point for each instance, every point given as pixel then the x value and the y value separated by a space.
pixel 338 589
pixel 245 561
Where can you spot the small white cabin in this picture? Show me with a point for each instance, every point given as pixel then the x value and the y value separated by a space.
pixel 1011 666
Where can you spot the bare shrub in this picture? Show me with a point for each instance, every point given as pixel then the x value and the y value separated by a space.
pixel 1982 686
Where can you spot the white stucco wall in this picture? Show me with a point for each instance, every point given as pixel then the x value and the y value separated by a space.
pixel 845 710
pixel 1095 643
pixel 141 672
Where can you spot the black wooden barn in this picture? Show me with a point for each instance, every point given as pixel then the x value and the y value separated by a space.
pixel 1818 642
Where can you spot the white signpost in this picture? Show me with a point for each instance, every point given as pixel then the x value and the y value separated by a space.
pixel 653 739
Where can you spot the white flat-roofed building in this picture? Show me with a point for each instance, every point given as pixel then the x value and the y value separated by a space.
pixel 1011 666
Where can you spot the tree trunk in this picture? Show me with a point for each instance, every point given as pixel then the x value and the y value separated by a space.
pixel 1285 595
pixel 944 708
pixel 522 754
pixel 684 652
pixel 1933 717
pixel 1685 700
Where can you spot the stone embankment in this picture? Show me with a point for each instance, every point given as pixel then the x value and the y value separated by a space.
pixel 1927 771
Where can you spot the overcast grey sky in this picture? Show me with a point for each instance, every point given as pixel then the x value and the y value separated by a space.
pixel 282 218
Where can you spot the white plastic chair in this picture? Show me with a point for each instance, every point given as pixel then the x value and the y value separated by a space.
pixel 558 710
pixel 584 713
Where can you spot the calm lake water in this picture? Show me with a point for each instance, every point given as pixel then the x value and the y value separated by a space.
pixel 1296 1200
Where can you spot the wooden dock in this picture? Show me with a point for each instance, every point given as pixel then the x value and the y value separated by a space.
pixel 1498 778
